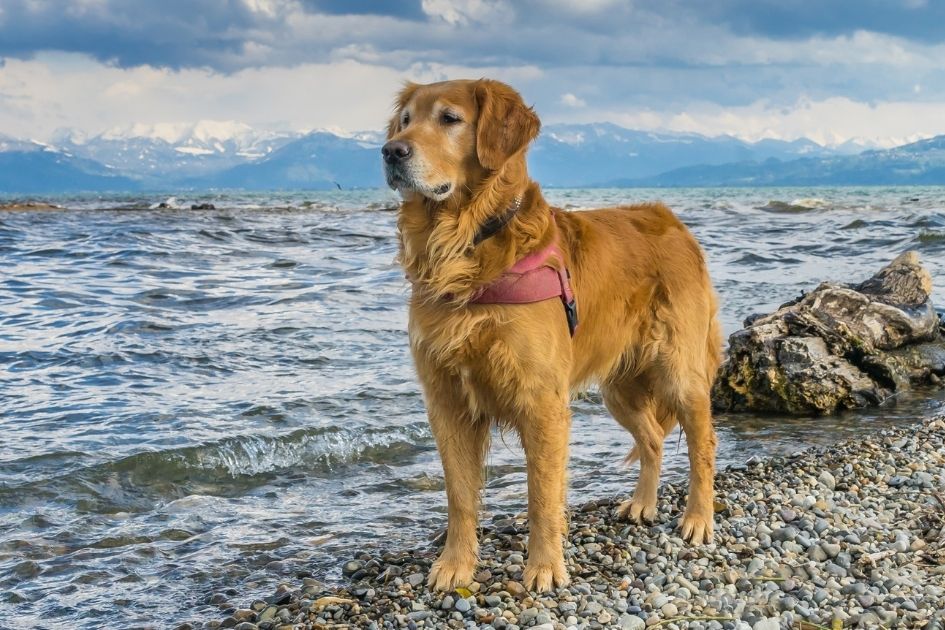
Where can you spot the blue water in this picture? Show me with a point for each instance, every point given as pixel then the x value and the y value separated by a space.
pixel 199 402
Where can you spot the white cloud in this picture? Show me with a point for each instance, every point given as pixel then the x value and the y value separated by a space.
pixel 464 12
pixel 570 100
pixel 54 91
pixel 39 96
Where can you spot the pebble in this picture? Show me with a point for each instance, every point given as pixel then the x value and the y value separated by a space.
pixel 827 480
pixel 630 622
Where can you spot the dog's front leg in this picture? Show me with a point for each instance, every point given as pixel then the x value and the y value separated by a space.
pixel 462 442
pixel 545 435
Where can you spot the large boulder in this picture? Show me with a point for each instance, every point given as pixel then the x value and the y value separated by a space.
pixel 838 347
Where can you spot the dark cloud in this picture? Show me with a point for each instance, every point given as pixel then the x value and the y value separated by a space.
pixel 920 20
pixel 229 34
pixel 171 33
pixel 727 52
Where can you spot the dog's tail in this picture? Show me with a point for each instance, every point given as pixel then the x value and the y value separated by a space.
pixel 667 422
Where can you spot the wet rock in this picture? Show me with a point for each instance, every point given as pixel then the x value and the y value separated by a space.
pixel 279 598
pixel 837 347
pixel 267 615
pixel 244 614
pixel 203 206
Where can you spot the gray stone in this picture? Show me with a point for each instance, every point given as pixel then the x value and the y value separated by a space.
pixel 827 480
pixel 836 347
pixel 830 549
pixel 630 622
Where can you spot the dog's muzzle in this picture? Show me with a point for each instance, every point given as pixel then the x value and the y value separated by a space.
pixel 396 151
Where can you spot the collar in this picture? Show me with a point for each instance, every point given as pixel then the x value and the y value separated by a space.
pixel 491 226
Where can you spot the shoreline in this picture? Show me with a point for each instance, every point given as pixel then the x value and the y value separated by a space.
pixel 853 533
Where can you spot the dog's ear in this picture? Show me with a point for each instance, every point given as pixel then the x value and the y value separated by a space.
pixel 406 93
pixel 506 125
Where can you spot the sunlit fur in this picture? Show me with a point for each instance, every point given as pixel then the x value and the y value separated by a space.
pixel 648 333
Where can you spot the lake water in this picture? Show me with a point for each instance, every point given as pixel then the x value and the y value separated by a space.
pixel 198 402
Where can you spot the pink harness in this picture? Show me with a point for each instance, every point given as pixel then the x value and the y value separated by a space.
pixel 534 279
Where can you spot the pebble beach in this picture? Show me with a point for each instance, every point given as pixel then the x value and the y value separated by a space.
pixel 846 536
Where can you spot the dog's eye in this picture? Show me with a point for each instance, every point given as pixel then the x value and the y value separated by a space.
pixel 405 119
pixel 449 118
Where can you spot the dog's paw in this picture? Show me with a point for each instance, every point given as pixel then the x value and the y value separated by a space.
pixel 696 529
pixel 541 577
pixel 447 574
pixel 637 511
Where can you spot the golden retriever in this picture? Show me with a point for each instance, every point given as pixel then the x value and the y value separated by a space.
pixel 648 333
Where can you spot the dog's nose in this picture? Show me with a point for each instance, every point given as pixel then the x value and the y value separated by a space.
pixel 396 151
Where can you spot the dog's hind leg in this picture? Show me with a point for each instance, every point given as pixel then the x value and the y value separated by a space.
pixel 695 416
pixel 686 393
pixel 631 404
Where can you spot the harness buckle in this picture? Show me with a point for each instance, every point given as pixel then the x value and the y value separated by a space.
pixel 570 310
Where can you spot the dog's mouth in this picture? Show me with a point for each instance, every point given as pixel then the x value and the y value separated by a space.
pixel 443 190
pixel 403 182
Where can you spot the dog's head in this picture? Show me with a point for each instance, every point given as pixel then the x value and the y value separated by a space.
pixel 447 137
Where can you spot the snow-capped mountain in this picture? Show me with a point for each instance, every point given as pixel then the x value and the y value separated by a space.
pixel 29 166
pixel 162 153
pixel 599 153
pixel 215 154
pixel 318 160
pixel 8 143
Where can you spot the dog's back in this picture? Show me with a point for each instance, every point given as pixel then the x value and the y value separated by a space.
pixel 642 288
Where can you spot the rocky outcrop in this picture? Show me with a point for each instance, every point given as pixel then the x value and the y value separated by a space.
pixel 838 347
pixel 27 206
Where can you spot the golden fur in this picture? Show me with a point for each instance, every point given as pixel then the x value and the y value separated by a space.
pixel 648 333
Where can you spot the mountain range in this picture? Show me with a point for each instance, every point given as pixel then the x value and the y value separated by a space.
pixel 216 155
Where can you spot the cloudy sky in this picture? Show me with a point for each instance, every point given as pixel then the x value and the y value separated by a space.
pixel 830 70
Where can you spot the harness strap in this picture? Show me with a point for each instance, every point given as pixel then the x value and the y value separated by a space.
pixel 534 279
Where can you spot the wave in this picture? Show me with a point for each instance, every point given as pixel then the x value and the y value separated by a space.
pixel 223 467
pixel 314 450
pixel 930 236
